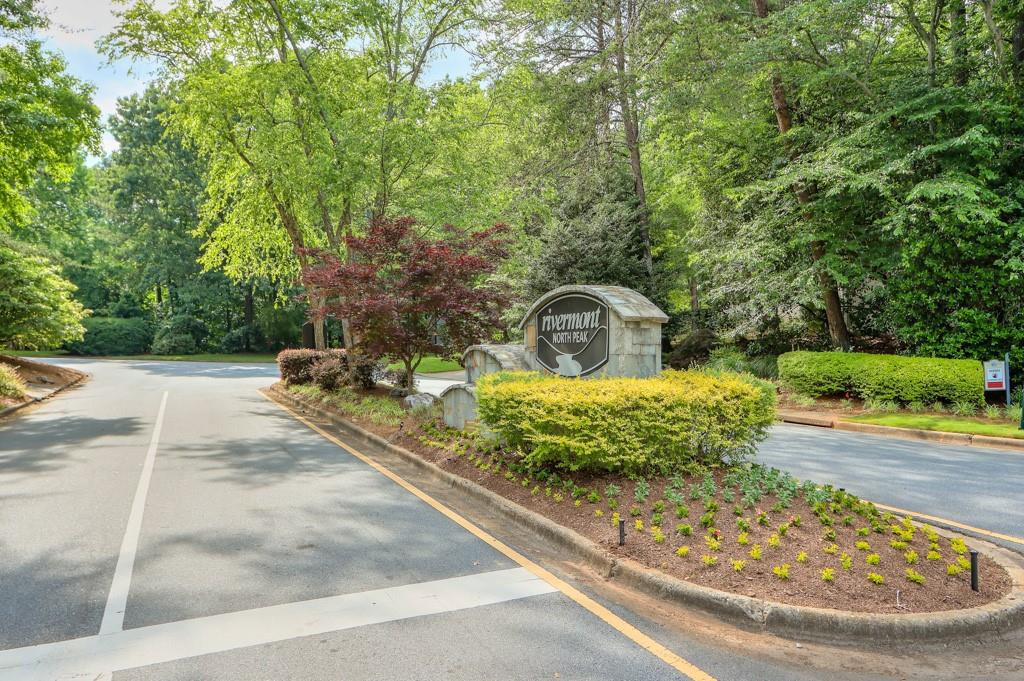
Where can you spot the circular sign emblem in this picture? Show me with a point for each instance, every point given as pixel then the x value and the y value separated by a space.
pixel 572 335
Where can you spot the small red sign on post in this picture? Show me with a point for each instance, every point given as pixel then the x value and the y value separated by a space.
pixel 995 374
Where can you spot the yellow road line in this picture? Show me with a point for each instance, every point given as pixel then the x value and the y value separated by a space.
pixel 952 523
pixel 613 620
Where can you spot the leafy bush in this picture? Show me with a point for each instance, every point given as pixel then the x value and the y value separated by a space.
pixel 693 348
pixel 113 336
pixel 243 339
pixel 296 365
pixel 329 372
pixel 37 305
pixel 174 344
pixel 883 377
pixel 631 425
pixel 11 384
pixel 181 334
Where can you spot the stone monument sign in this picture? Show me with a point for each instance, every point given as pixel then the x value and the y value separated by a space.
pixel 572 331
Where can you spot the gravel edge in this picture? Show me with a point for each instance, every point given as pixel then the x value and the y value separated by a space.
pixel 797 622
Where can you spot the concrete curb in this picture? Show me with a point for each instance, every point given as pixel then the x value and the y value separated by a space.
pixel 36 400
pixel 797 622
pixel 966 439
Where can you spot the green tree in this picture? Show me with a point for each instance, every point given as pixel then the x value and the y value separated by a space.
pixel 37 309
pixel 47 115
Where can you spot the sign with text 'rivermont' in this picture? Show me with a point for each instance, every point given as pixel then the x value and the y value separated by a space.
pixel 572 334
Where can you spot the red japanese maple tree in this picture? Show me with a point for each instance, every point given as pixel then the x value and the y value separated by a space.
pixel 406 294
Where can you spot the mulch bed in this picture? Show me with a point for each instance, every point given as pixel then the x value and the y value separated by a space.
pixel 851 590
pixel 38 375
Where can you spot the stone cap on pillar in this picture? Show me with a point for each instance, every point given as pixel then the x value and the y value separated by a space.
pixel 629 305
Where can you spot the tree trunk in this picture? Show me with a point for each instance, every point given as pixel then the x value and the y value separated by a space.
pixel 694 304
pixel 159 295
pixel 249 316
pixel 837 328
pixel 631 130
pixel 957 33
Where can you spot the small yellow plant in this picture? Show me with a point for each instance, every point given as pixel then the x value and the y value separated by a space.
pixel 683 551
pixel 801 557
pixel 756 552
pixel 846 560
pixel 897 544
pixel 958 546
pixel 781 571
pixel 963 563
pixel 774 541
pixel 830 549
pixel 911 557
pixel 558 498
pixel 914 576
pixel 712 543
pixel 577 503
pixel 639 525
pixel 862 546
pixel 738 565
pixel 657 535
pixel 873 559
pixel 743 538
pixel 933 555
pixel 875 578
pixel 828 575
pixel 598 513
pixel 953 569
pixel 709 561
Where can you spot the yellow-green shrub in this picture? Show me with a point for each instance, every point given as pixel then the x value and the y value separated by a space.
pixel 883 377
pixel 11 384
pixel 631 425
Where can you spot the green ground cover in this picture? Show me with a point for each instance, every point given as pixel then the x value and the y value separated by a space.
pixel 431 364
pixel 949 424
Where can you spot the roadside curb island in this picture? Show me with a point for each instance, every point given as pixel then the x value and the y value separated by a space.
pixel 7 411
pixel 942 437
pixel 796 622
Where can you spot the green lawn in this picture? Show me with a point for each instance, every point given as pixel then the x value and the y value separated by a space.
pixel 201 357
pixel 431 364
pixel 949 424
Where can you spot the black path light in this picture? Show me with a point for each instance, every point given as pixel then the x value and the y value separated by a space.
pixel 622 532
pixel 974 570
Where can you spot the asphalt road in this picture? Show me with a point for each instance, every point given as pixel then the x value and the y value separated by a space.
pixel 209 535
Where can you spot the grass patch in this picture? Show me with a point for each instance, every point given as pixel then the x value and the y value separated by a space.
pixel 431 364
pixel 34 353
pixel 261 357
pixel 376 409
pixel 11 384
pixel 948 424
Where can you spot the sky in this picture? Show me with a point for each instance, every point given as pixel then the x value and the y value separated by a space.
pixel 76 25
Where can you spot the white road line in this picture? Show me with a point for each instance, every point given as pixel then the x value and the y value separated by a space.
pixel 113 614
pixel 89 657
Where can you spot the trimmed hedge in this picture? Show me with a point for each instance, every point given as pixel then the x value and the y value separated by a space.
pixel 113 336
pixel 299 367
pixel 884 377
pixel 629 425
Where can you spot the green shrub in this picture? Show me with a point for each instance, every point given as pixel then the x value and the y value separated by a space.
pixel 883 377
pixel 181 334
pixel 11 384
pixel 113 336
pixel 174 344
pixel 243 339
pixel 632 425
